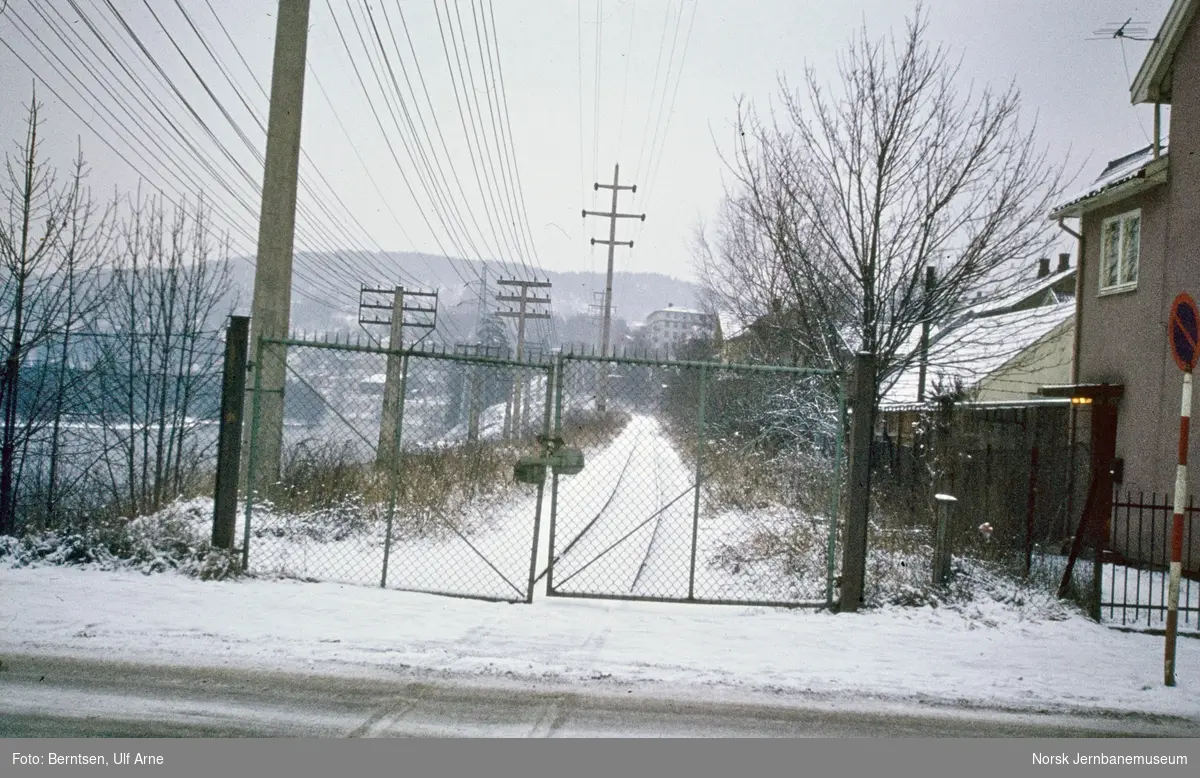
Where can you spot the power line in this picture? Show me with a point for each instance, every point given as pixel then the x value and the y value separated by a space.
pixel 468 115
pixel 252 181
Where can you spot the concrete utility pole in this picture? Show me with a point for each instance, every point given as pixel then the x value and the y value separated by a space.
pixel 596 314
pixel 521 315
pixel 394 378
pixel 271 307
pixel 612 243
pixel 858 509
pixel 473 385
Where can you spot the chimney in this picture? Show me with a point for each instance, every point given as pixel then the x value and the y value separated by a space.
pixel 1064 262
pixel 1043 267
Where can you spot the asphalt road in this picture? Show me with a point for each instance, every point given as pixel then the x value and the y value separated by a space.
pixel 54 697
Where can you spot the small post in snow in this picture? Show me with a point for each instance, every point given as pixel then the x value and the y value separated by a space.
pixel 941 550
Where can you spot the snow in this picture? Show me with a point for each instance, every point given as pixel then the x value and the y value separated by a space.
pixel 1007 647
pixel 987 654
pixel 1118 171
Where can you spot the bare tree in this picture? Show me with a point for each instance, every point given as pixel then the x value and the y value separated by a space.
pixel 162 351
pixel 840 202
pixel 51 247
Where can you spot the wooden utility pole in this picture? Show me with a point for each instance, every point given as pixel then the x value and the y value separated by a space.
pixel 612 243
pixel 270 309
pixel 523 300
pixel 402 304
pixel 926 313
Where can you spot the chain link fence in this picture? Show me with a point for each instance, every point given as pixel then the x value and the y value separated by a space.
pixel 703 482
pixel 397 470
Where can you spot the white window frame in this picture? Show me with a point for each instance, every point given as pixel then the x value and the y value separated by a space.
pixel 1128 286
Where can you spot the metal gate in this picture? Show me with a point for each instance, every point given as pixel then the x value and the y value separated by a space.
pixel 396 469
pixel 703 482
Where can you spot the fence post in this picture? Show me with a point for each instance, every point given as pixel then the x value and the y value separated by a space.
pixel 701 432
pixel 942 551
pixel 394 468
pixel 229 442
pixel 547 447
pixel 1031 507
pixel 252 456
pixel 473 390
pixel 858 499
pixel 835 495
pixel 560 365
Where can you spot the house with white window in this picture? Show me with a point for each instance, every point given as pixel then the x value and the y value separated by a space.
pixel 1138 228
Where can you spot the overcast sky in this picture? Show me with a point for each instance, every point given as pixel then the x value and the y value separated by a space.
pixel 568 128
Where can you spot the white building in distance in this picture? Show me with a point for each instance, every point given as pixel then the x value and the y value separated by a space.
pixel 668 328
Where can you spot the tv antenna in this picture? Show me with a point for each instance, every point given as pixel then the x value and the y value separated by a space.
pixel 1127 30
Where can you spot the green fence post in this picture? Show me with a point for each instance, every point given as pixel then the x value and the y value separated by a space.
pixel 835 499
pixel 700 432
pixel 251 459
pixel 560 367
pixel 546 448
pixel 394 470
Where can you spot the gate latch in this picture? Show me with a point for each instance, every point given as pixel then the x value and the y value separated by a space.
pixel 561 459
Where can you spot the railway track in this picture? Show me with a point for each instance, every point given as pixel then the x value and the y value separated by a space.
pixel 612 495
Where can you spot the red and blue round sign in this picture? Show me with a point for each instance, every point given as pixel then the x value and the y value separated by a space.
pixel 1183 329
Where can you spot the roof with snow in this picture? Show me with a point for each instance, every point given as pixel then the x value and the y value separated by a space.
pixel 973 350
pixel 1122 177
pixel 731 324
pixel 1036 287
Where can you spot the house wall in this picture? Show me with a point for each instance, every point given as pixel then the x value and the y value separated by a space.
pixel 1123 339
pixel 1124 336
pixel 1183 247
pixel 1045 363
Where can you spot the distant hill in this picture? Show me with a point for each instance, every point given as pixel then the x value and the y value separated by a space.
pixel 634 294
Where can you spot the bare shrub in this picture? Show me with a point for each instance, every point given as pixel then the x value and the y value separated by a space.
pixel 329 493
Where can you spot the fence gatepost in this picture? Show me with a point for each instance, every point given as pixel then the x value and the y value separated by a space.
pixel 858 502
pixel 835 494
pixel 701 432
pixel 252 455
pixel 547 447
pixel 560 366
pixel 942 550
pixel 229 443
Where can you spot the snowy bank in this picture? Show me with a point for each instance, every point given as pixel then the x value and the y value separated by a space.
pixel 986 653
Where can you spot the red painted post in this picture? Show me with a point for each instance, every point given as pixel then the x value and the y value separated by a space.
pixel 1185 413
pixel 1183 333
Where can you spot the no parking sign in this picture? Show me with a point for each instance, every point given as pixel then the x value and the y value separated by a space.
pixel 1184 331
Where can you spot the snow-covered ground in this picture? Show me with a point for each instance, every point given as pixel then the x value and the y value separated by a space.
pixel 1006 646
pixel 624 528
pixel 983 654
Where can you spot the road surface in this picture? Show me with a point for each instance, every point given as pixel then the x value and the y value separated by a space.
pixel 56 697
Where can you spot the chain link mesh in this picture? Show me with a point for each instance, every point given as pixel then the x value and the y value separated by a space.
pixel 704 482
pixel 438 511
